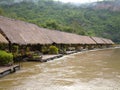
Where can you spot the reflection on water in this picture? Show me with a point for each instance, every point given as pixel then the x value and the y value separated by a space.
pixel 94 70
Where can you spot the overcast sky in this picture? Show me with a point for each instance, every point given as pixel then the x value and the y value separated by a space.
pixel 78 1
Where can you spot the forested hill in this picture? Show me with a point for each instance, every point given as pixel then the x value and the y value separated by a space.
pixel 97 19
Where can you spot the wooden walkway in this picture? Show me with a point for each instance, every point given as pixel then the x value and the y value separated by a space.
pixel 70 52
pixel 46 58
pixel 8 69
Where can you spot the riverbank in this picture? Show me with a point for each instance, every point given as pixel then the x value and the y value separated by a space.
pixel 11 69
pixel 85 51
pixel 46 58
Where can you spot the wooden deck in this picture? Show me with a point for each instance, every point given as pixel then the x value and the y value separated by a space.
pixel 70 52
pixel 8 69
pixel 46 58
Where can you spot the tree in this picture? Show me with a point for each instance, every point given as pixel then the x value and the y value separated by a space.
pixel 52 24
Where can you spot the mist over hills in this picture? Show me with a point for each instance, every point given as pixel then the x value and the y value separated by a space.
pixel 113 5
pixel 100 19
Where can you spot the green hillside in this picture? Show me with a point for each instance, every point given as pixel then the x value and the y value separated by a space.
pixel 85 20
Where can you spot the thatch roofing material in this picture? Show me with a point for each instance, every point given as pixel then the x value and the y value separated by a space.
pixel 110 41
pixel 72 38
pixel 88 40
pixel 20 32
pixel 59 37
pixel 98 40
pixel 3 39
pixel 107 41
pixel 54 36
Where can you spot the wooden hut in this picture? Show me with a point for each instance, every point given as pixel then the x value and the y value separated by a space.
pixel 22 33
pixel 19 32
pixel 64 39
pixel 108 42
pixel 99 41
pixel 73 40
pixel 88 42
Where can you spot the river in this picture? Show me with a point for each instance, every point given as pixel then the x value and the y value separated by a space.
pixel 90 70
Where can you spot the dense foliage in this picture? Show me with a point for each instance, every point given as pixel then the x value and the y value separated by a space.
pixel 65 17
pixel 53 50
pixel 6 58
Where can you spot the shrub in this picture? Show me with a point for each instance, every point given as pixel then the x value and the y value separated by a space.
pixel 45 50
pixel 6 58
pixel 53 50
pixel 15 51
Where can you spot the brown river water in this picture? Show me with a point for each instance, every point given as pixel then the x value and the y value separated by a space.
pixel 89 70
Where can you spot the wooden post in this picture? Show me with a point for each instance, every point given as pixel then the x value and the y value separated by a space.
pixel 10 47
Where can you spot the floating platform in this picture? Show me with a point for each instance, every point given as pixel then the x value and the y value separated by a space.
pixel 46 58
pixel 70 52
pixel 7 70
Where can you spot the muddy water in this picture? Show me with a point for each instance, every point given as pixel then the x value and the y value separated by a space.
pixel 94 70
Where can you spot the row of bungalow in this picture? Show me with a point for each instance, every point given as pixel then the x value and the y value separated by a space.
pixel 22 33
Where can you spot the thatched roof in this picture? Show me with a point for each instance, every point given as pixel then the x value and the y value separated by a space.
pixel 3 39
pixel 72 38
pixel 107 41
pixel 110 41
pixel 20 32
pixel 60 37
pixel 98 40
pixel 88 40
pixel 102 40
pixel 54 36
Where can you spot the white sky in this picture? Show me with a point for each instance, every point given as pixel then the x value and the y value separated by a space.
pixel 78 1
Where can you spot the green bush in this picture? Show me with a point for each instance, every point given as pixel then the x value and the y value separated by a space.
pixel 53 50
pixel 6 58
pixel 15 51
pixel 45 49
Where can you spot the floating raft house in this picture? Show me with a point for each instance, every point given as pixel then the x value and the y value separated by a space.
pixel 23 33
